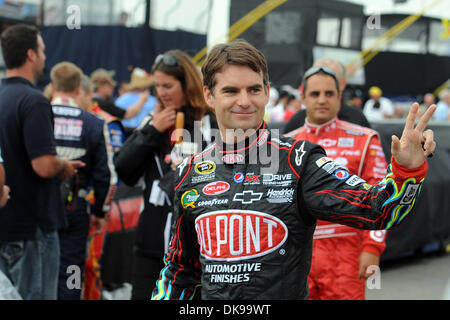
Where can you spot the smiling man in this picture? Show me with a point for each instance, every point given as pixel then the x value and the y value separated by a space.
pixel 341 254
pixel 244 233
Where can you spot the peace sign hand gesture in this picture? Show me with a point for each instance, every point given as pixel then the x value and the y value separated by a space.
pixel 408 151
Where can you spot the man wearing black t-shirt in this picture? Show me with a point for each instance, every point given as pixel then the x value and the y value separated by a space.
pixel 346 112
pixel 29 246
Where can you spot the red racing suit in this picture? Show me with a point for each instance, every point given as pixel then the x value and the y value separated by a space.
pixel 334 271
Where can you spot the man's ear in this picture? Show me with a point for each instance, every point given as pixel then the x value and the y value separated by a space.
pixel 31 54
pixel 208 95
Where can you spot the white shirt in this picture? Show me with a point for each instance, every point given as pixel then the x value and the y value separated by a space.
pixel 386 107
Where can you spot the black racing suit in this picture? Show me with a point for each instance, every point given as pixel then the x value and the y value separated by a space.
pixel 244 225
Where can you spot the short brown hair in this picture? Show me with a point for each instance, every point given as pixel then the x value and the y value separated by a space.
pixel 66 76
pixel 237 52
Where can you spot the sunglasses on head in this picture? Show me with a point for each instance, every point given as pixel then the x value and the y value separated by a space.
pixel 167 60
pixel 315 70
pixel 324 70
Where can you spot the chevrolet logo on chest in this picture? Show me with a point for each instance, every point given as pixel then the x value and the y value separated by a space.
pixel 248 197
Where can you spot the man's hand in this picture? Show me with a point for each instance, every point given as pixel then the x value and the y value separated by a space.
pixel 98 224
pixel 408 151
pixel 70 168
pixel 5 196
pixel 367 259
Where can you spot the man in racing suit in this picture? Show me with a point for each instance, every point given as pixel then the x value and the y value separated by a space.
pixel 79 135
pixel 246 207
pixel 341 254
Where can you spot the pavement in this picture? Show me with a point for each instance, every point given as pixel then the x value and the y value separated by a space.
pixel 423 277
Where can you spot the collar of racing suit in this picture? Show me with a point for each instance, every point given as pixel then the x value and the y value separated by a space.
pixel 317 129
pixel 64 101
pixel 241 151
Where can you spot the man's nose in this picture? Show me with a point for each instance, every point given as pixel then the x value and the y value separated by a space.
pixel 243 99
pixel 322 98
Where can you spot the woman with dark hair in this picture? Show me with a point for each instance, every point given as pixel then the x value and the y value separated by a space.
pixel 152 153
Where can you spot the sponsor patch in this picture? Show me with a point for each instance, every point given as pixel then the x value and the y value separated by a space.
pixel 231 235
pixel 281 180
pixel 216 188
pixel 299 153
pixel 251 179
pixel 410 193
pixel 212 202
pixel 280 196
pixel 205 167
pixel 377 235
pixel 189 197
pixel 233 158
pixel 354 180
pixel 239 177
pixel 326 143
pixel 322 161
pixel 341 174
pixel 346 142
pixel 68 129
pixel 247 197
pixel 182 165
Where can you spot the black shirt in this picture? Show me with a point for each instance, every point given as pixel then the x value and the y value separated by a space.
pixel 347 113
pixel 26 132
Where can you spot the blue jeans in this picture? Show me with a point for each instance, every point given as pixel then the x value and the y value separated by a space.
pixel 32 265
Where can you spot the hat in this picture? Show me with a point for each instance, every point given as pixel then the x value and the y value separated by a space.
pixel 101 76
pixel 375 92
pixel 140 79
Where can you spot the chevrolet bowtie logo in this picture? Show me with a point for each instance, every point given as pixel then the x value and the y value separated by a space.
pixel 247 197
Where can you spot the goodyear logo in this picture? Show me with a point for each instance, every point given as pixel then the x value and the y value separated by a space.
pixel 205 167
pixel 188 198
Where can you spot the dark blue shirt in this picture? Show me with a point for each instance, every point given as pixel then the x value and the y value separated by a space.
pixel 26 132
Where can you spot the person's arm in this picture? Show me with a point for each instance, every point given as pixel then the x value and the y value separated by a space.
pixel 180 279
pixel 104 178
pixel 132 111
pixel 374 168
pixel 328 192
pixel 49 166
pixel 4 189
pixel 133 157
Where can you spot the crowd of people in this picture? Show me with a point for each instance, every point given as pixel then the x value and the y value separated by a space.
pixel 286 102
pixel 75 140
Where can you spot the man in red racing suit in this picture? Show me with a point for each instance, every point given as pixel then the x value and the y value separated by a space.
pixel 341 254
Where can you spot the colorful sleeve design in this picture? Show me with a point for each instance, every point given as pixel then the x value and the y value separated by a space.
pixel 335 195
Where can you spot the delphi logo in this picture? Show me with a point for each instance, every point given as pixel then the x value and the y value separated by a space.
pixel 229 235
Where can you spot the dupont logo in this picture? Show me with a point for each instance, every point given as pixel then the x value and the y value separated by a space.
pixel 215 188
pixel 228 235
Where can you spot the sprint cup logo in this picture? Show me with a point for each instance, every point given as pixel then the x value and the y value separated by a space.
pixel 205 167
pixel 229 235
